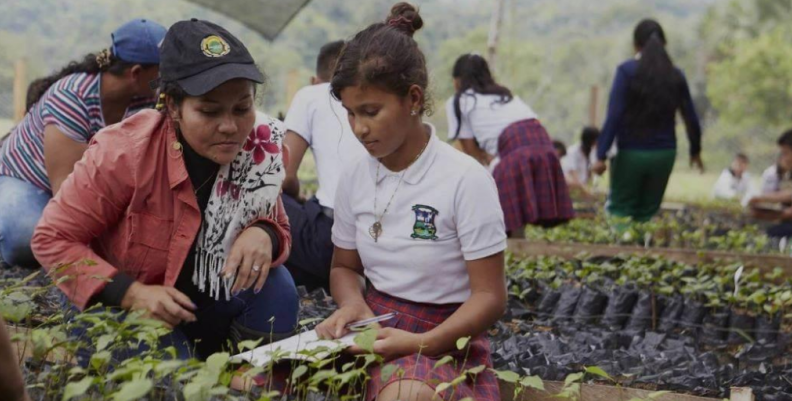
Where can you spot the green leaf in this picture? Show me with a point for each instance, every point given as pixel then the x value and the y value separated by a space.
pixel 476 370
pixel 194 392
pixel 133 390
pixel 533 382
pixel 99 359
pixel 165 368
pixel 347 366
pixel 575 377
pixel 462 343
pixel 218 391
pixel 75 389
pixel 506 376
pixel 459 380
pixel 596 370
pixel 442 387
pixel 249 344
pixel 443 361
pixel 299 372
pixel 104 341
pixel 216 362
pixel 269 396
pixel 366 340
pixel 387 372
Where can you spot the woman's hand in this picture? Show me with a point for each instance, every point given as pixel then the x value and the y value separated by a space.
pixel 250 260
pixel 335 326
pixel 599 167
pixel 166 304
pixel 695 161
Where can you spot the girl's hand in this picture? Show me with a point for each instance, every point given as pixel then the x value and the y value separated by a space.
pixel 250 260
pixel 695 161
pixel 599 167
pixel 335 326
pixel 394 343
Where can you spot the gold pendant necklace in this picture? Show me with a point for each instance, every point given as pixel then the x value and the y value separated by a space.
pixel 375 231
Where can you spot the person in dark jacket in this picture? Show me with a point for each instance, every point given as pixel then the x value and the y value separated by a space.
pixel 646 95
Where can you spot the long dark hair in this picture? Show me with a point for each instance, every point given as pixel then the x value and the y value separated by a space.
pixel 654 93
pixel 385 55
pixel 92 63
pixel 474 73
pixel 588 138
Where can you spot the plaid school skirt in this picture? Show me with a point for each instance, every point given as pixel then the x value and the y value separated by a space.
pixel 420 318
pixel 531 184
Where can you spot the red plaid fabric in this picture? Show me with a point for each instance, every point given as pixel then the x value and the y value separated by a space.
pixel 531 184
pixel 420 318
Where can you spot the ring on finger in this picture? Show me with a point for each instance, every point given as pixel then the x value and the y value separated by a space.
pixel 256 269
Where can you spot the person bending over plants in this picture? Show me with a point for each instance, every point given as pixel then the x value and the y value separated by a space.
pixel 180 208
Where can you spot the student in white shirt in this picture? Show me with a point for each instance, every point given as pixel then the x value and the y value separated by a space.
pixel 317 121
pixel 499 130
pixel 774 178
pixel 735 181
pixel 419 220
pixel 481 109
pixel 577 162
pixel 761 205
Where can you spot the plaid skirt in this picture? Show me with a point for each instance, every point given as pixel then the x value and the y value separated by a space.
pixel 420 318
pixel 531 184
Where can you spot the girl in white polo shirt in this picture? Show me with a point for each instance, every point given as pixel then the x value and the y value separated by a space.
pixel 418 219
pixel 502 132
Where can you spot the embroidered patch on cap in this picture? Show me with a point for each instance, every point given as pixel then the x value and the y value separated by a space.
pixel 215 46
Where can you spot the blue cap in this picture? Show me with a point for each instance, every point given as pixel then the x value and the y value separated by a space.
pixel 138 41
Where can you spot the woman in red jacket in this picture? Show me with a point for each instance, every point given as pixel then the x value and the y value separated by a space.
pixel 182 207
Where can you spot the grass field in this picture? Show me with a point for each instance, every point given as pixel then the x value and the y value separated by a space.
pixel 685 185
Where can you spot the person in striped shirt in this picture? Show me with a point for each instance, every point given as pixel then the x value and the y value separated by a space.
pixel 64 111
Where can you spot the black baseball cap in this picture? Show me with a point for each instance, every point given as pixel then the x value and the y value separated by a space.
pixel 200 56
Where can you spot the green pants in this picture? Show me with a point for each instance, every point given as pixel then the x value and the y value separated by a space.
pixel 638 182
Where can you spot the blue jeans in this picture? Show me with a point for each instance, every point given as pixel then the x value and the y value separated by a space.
pixel 21 206
pixel 271 314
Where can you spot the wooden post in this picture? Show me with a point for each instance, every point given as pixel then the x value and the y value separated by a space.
pixel 741 394
pixel 494 32
pixel 594 106
pixel 20 89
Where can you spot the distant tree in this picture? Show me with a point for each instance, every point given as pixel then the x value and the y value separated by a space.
pixel 752 85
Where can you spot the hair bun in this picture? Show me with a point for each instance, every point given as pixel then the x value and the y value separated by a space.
pixel 405 17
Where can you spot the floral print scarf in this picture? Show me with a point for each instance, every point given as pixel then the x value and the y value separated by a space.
pixel 244 192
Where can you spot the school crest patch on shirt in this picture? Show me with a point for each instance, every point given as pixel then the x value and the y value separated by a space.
pixel 424 227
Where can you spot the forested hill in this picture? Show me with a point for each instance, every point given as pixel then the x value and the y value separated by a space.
pixel 551 52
